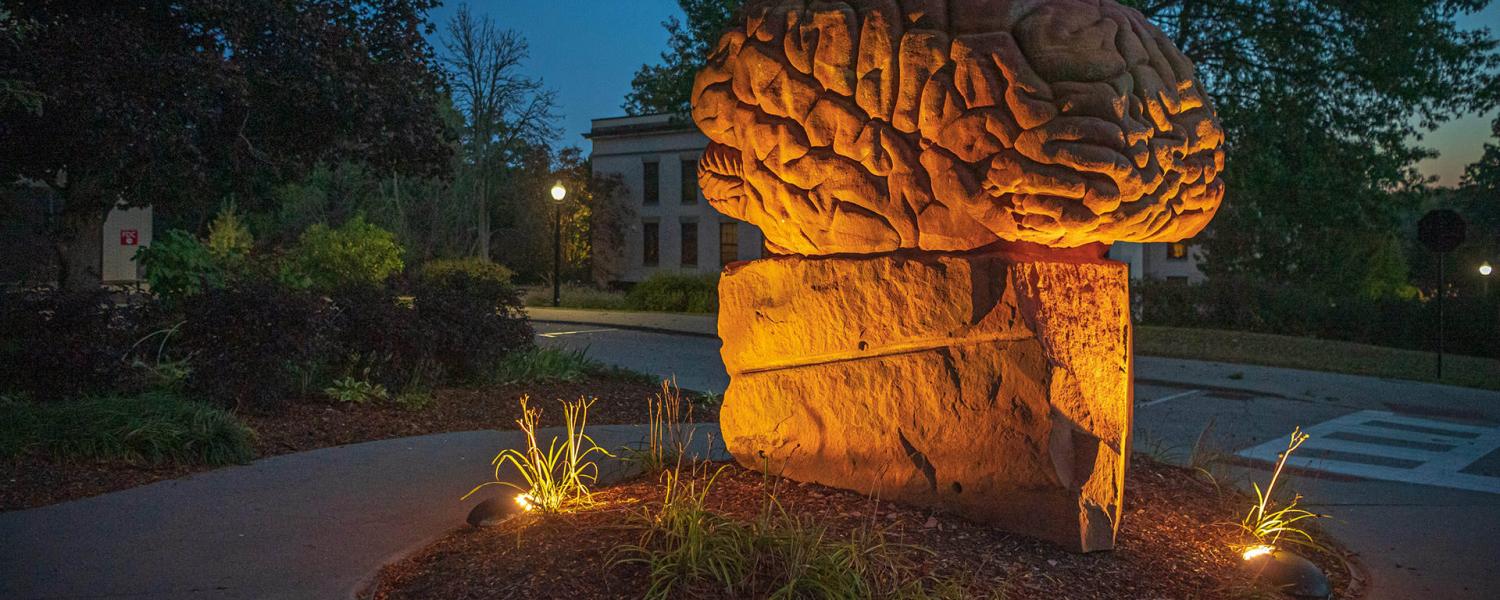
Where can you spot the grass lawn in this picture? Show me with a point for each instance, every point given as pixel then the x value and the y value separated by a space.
pixel 1315 355
pixel 573 295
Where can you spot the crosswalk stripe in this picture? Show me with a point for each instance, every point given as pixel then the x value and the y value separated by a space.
pixel 1436 468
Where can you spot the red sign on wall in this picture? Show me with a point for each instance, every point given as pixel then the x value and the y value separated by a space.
pixel 130 237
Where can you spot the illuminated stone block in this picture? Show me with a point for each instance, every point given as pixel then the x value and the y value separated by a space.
pixel 939 179
pixel 993 385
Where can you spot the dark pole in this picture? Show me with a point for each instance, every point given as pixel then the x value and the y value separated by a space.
pixel 1442 291
pixel 557 257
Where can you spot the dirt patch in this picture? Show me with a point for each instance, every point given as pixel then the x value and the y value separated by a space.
pixel 1177 541
pixel 33 481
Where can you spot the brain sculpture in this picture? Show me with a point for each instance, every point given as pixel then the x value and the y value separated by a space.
pixel 868 126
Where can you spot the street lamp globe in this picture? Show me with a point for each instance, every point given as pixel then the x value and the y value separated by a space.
pixel 558 192
pixel 1485 269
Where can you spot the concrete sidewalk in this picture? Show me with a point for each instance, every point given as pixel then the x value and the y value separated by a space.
pixel 688 323
pixel 315 524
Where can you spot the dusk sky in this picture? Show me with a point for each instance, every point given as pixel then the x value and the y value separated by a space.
pixel 587 50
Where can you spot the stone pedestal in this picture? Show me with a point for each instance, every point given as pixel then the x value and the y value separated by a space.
pixel 993 385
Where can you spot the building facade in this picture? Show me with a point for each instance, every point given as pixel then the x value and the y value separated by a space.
pixel 669 227
pixel 1177 261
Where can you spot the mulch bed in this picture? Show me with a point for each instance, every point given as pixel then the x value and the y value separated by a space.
pixel 33 481
pixel 1177 541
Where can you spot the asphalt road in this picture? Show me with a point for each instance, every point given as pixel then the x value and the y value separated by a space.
pixel 1408 473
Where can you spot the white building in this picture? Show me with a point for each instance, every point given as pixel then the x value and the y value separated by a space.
pixel 674 229
pixel 1177 261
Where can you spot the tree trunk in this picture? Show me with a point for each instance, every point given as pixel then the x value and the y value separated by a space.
pixel 483 226
pixel 79 246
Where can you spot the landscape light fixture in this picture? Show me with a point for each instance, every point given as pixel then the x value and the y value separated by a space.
pixel 1485 269
pixel 558 193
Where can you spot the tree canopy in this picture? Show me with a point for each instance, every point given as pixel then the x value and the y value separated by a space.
pixel 667 87
pixel 178 103
pixel 1324 104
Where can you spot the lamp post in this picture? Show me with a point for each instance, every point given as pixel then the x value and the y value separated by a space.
pixel 1484 273
pixel 558 192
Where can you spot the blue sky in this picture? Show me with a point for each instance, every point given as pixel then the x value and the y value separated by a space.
pixel 587 51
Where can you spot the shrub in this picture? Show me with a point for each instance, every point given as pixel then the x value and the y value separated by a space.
pixel 65 344
pixel 248 340
pixel 381 339
pixel 177 265
pixel 153 428
pixel 414 400
pixel 474 268
pixel 469 322
pixel 354 254
pixel 356 391
pixel 543 364
pixel 1245 304
pixel 228 235
pixel 676 293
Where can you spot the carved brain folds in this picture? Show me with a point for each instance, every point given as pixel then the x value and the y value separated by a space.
pixel 868 126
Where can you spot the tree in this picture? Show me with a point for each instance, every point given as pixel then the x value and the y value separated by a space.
pixel 667 87
pixel 176 104
pixel 506 113
pixel 1324 103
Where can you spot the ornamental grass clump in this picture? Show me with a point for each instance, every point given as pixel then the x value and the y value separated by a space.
pixel 1269 525
pixel 560 476
pixel 692 551
pixel 668 432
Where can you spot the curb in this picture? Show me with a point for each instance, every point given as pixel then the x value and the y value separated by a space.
pixel 645 328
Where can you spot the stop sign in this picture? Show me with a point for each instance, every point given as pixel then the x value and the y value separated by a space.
pixel 1441 230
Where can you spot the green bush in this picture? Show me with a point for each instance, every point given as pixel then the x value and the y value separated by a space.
pixel 178 265
pixel 1248 304
pixel 467 322
pixel 671 292
pixel 474 268
pixel 251 342
pixel 152 428
pixel 56 345
pixel 543 364
pixel 228 236
pixel 356 253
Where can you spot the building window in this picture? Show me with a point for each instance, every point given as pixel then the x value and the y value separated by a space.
pixel 729 243
pixel 650 244
pixel 690 181
pixel 1177 251
pixel 651 183
pixel 689 243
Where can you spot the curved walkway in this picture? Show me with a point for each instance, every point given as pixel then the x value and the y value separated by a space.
pixel 315 524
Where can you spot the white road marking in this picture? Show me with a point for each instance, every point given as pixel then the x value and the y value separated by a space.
pixel 560 333
pixel 1166 398
pixel 1437 468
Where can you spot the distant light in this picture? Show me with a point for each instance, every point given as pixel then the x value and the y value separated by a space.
pixel 1485 269
pixel 524 499
pixel 1255 551
pixel 558 192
